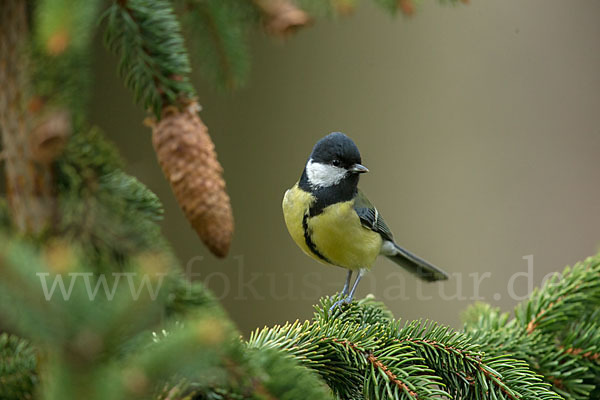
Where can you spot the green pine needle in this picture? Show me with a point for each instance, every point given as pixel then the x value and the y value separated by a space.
pixel 18 364
pixel 219 32
pixel 146 36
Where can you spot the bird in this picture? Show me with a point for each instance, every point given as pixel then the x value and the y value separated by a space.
pixel 334 222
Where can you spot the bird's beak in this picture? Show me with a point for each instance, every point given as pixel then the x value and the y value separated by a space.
pixel 358 169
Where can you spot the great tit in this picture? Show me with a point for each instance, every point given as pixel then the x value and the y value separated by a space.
pixel 332 220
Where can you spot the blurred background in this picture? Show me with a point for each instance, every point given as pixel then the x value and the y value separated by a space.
pixel 480 125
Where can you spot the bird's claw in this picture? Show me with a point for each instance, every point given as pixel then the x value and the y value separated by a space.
pixel 338 304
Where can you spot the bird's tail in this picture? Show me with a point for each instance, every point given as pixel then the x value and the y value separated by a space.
pixel 413 263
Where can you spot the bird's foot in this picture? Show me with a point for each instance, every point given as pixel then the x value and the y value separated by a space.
pixel 339 303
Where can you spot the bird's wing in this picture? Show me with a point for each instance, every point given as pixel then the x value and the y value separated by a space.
pixel 370 218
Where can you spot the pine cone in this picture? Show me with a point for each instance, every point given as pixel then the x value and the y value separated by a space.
pixel 407 7
pixel 282 17
pixel 188 159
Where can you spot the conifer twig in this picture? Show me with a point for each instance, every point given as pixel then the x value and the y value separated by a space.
pixel 146 36
pixel 219 33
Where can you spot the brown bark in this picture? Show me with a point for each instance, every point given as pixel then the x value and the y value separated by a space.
pixel 29 184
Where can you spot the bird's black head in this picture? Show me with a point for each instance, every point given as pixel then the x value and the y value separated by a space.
pixel 333 168
pixel 336 149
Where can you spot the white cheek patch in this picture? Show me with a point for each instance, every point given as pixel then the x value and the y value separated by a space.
pixel 324 175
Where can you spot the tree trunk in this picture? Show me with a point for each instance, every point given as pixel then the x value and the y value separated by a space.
pixel 28 183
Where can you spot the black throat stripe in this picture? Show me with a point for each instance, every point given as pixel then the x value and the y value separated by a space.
pixel 345 190
pixel 308 240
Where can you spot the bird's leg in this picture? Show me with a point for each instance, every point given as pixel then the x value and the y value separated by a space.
pixel 361 272
pixel 349 298
pixel 347 285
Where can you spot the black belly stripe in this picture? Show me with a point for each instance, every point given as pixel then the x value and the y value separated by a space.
pixel 308 240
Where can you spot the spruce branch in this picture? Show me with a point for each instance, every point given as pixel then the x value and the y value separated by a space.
pixel 473 371
pixel 354 359
pixel 88 342
pixel 219 32
pixel 541 353
pixel 18 364
pixel 283 377
pixel 562 299
pixel 379 358
pixel 146 36
pixel 555 331
pixel 111 215
pixel 154 63
pixel 205 344
pixel 582 339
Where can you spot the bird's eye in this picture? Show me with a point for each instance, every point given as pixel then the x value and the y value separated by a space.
pixel 336 163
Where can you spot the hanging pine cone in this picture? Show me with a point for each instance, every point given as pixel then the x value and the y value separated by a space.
pixel 407 7
pixel 188 159
pixel 282 17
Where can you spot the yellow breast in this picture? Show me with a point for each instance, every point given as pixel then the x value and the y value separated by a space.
pixel 337 232
pixel 296 203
